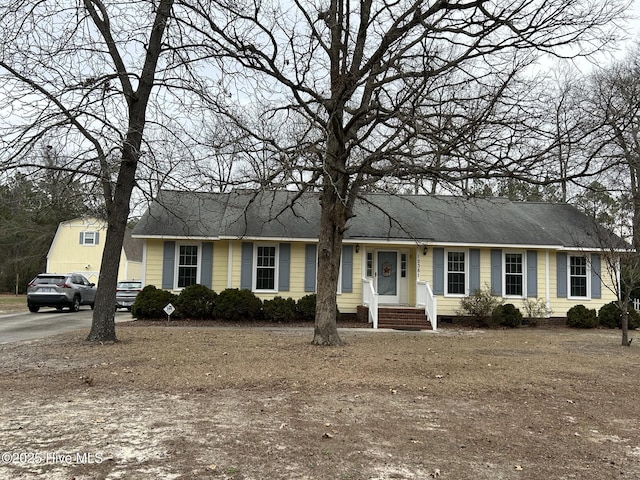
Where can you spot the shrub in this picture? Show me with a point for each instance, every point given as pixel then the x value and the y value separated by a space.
pixel 150 303
pixel 279 309
pixel 234 304
pixel 507 315
pixel 535 309
pixel 306 308
pixel 580 316
pixel 480 305
pixel 195 302
pixel 610 316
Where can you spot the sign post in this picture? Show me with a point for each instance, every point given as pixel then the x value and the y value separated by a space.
pixel 169 309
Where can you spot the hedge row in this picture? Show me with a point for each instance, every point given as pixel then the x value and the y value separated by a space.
pixel 609 316
pixel 487 310
pixel 198 302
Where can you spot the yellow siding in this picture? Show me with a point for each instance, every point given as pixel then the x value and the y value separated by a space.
pixel 68 255
pixel 559 306
pixel 219 277
pixel 132 270
pixel 153 264
pixel 418 265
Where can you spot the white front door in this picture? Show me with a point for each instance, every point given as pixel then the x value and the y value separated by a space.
pixel 387 276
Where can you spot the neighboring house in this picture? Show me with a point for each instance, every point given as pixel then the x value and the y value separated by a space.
pixel 78 245
pixel 399 250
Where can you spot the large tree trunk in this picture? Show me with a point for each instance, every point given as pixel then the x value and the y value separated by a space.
pixel 634 261
pixel 335 211
pixel 103 324
pixel 332 222
pixel 103 328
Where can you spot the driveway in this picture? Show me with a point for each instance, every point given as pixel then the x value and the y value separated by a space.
pixel 15 327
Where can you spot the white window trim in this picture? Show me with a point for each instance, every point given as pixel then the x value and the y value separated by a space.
pixel 254 276
pixel 176 267
pixel 368 252
pixel 524 273
pixel 588 273
pixel 93 239
pixel 446 272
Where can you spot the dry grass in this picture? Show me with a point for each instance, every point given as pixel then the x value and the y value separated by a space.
pixel 246 403
pixel 12 303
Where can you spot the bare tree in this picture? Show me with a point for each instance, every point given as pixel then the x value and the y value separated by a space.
pixel 85 72
pixel 370 78
pixel 614 106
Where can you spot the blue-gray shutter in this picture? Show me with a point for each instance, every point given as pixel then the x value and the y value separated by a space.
pixel 168 264
pixel 438 271
pixel 561 273
pixel 596 277
pixel 246 266
pixel 81 238
pixel 284 267
pixel 97 238
pixel 206 267
pixel 347 269
pixel 310 264
pixel 474 269
pixel 496 271
pixel 532 273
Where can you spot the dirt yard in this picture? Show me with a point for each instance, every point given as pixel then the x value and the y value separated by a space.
pixel 251 403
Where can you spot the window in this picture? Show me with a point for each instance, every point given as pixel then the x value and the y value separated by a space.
pixel 187 265
pixel 88 238
pixel 456 273
pixel 266 267
pixel 403 265
pixel 578 269
pixel 514 274
pixel 369 264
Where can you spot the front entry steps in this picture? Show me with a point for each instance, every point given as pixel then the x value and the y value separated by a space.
pixel 403 318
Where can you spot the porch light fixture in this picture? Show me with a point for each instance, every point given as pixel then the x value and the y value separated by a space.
pixel 425 250
pixel 357 247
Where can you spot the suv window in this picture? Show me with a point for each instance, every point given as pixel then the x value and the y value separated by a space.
pixel 49 280
pixel 80 280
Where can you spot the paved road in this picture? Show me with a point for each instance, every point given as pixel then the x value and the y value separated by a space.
pixel 28 326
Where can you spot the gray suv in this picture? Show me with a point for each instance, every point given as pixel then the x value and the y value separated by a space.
pixel 59 291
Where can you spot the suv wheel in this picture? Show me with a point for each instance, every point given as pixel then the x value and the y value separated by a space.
pixel 34 308
pixel 76 304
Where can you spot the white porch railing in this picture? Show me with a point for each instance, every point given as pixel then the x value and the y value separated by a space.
pixel 370 299
pixel 425 298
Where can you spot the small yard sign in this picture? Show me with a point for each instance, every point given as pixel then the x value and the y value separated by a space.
pixel 169 309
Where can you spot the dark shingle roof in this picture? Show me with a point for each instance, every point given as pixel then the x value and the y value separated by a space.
pixel 132 247
pixel 419 218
